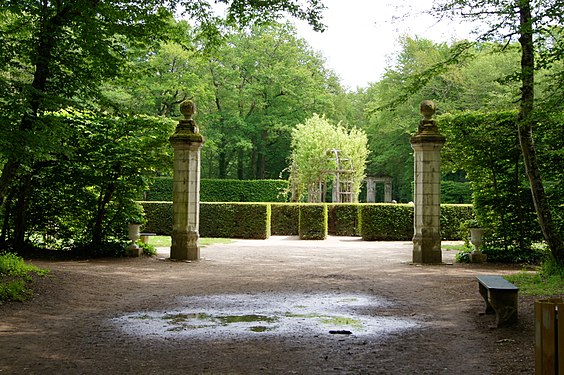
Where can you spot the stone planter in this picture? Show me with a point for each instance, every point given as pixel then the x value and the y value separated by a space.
pixel 476 238
pixel 133 249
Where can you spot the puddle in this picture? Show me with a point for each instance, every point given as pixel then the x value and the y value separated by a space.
pixel 266 314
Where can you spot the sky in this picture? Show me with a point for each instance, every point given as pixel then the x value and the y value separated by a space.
pixel 362 35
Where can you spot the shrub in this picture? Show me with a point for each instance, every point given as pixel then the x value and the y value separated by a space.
pixel 215 190
pixel 486 146
pixel 159 217
pixel 285 218
pixel 344 219
pixel 456 192
pixel 312 221
pixel 380 221
pixel 14 275
pixel 235 220
pixel 453 217
pixel 386 222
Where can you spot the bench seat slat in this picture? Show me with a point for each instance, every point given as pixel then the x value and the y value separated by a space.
pixel 495 282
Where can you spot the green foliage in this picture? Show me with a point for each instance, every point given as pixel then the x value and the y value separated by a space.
pixel 312 221
pixel 235 220
pixel 214 190
pixel 285 219
pixel 158 217
pixel 225 220
pixel 148 249
pixel 463 255
pixel 228 220
pixel 485 145
pixel 454 192
pixel 344 219
pixel 453 216
pixel 457 76
pixel 87 197
pixel 533 284
pixel 14 275
pixel 312 157
pixel 245 88
pixel 243 190
pixel 13 265
pixel 550 267
pixel 386 222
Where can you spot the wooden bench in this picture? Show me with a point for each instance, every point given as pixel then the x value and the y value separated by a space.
pixel 145 236
pixel 501 298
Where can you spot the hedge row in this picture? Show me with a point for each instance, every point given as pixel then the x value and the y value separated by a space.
pixel 212 190
pixel 378 221
pixel 312 221
pixel 224 220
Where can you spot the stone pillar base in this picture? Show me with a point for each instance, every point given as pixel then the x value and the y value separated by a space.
pixel 133 250
pixel 427 250
pixel 185 246
pixel 476 257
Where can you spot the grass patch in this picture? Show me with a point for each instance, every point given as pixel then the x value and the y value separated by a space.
pixel 547 281
pixel 453 247
pixel 165 241
pixel 535 284
pixel 15 274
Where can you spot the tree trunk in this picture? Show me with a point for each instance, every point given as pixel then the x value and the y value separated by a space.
pixel 222 163
pixel 525 124
pixel 98 228
pixel 240 165
pixel 20 209
pixel 262 156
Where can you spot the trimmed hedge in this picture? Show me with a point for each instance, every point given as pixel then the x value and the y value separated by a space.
pixel 344 219
pixel 213 190
pixel 285 218
pixel 312 221
pixel 227 220
pixel 386 222
pixel 158 216
pixel 452 217
pixel 235 220
pixel 378 221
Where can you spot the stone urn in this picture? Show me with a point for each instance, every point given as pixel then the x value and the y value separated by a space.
pixel 133 235
pixel 476 238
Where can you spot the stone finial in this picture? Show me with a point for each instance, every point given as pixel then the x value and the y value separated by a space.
pixel 188 108
pixel 427 109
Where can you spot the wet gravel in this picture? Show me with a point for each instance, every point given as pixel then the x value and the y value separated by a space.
pixel 341 306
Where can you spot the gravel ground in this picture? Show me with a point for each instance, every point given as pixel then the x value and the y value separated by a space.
pixel 278 306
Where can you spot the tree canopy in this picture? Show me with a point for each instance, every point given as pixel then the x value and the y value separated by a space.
pixel 317 147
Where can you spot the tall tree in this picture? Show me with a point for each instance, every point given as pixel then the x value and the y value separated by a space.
pixel 530 21
pixel 313 158
pixel 265 81
pixel 57 53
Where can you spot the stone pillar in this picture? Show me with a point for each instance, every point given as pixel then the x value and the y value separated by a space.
pixel 388 190
pixel 427 144
pixel 186 142
pixel 370 190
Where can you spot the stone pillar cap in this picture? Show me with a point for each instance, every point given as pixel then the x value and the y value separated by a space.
pixel 188 108
pixel 427 109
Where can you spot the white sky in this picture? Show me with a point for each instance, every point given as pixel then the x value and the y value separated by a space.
pixel 361 35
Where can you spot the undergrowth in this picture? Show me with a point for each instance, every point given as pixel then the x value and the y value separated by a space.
pixel 15 275
pixel 548 280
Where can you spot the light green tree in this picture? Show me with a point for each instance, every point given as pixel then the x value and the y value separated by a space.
pixel 313 163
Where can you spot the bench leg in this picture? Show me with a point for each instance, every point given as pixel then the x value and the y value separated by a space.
pixel 484 294
pixel 505 304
